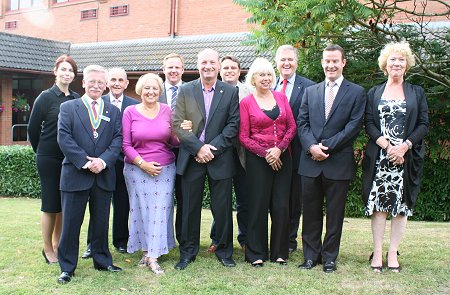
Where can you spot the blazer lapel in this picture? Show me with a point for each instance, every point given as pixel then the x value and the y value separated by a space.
pixel 82 113
pixel 320 96
pixel 106 113
pixel 295 91
pixel 376 102
pixel 198 94
pixel 411 103
pixel 218 92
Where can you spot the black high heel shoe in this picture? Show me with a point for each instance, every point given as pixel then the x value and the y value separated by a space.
pixel 395 269
pixel 376 269
pixel 46 259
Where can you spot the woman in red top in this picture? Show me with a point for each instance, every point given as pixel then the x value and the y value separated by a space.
pixel 266 129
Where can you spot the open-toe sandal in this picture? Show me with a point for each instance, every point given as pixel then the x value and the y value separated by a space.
pixel 155 268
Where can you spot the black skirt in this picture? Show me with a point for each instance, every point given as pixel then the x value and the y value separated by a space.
pixel 49 170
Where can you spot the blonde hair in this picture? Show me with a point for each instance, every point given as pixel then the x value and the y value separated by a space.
pixel 144 78
pixel 260 66
pixel 396 47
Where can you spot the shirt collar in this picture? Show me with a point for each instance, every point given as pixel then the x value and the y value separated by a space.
pixel 338 81
pixel 291 80
pixel 112 97
pixel 167 85
pixel 90 100
pixel 212 89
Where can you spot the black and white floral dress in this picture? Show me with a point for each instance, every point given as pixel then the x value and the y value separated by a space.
pixel 387 188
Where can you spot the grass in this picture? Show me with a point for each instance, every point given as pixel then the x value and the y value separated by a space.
pixel 425 260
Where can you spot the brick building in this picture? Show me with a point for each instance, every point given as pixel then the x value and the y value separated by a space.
pixel 82 21
pixel 133 34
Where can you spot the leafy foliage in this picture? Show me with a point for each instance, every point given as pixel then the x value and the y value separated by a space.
pixel 18 176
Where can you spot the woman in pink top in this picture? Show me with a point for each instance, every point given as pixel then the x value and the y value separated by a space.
pixel 266 130
pixel 149 172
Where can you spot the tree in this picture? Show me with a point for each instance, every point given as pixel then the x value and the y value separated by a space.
pixel 366 25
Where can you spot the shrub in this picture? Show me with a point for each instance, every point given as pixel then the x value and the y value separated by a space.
pixel 18 175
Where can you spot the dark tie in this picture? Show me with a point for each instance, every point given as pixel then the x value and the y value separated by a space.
pixel 173 101
pixel 330 99
pixel 285 82
pixel 94 111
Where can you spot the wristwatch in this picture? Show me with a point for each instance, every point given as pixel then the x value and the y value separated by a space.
pixel 140 162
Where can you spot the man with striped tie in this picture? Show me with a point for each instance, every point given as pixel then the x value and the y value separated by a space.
pixel 173 68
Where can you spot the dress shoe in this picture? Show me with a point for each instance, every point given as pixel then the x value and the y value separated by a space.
pixel 307 264
pixel 46 259
pixel 65 277
pixel 87 254
pixel 329 266
pixel 183 263
pixel 227 262
pixel 212 248
pixel 121 249
pixel 110 268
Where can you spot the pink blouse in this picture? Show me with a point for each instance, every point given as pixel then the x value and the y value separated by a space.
pixel 258 132
pixel 152 139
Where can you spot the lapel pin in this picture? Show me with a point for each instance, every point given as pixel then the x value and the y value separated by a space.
pixel 221 91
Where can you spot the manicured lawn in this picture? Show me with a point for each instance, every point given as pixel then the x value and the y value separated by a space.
pixel 425 258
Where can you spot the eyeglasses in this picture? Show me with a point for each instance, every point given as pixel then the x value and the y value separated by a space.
pixel 93 82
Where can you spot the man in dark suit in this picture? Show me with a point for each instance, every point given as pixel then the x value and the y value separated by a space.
pixel 89 135
pixel 117 83
pixel 293 86
pixel 329 122
pixel 230 71
pixel 207 150
pixel 173 69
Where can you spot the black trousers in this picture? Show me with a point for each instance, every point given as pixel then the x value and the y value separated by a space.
pixel 73 209
pixel 268 192
pixel 241 191
pixel 193 183
pixel 315 190
pixel 295 208
pixel 179 203
pixel 121 211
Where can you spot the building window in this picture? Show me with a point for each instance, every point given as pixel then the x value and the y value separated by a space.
pixel 9 25
pixel 22 4
pixel 118 10
pixel 88 14
pixel 61 1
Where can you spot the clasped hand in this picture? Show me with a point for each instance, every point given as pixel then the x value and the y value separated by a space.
pixel 317 152
pixel 151 168
pixel 95 165
pixel 273 158
pixel 204 154
pixel 396 153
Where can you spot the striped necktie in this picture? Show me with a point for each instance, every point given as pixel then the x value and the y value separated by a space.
pixel 173 101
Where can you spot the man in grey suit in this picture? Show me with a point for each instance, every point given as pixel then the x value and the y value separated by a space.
pixel 117 83
pixel 89 135
pixel 230 70
pixel 293 86
pixel 329 122
pixel 207 150
pixel 173 68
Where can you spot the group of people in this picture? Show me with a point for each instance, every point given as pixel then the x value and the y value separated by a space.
pixel 283 142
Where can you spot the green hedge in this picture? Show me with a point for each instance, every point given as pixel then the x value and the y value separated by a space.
pixel 18 177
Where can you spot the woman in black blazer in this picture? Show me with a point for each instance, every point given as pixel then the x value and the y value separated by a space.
pixel 42 130
pixel 396 121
